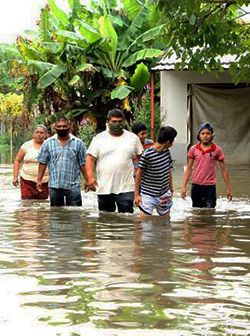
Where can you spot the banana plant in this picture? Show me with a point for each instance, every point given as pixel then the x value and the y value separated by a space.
pixel 122 44
pixel 90 58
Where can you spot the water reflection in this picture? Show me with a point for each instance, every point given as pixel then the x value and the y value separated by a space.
pixel 74 270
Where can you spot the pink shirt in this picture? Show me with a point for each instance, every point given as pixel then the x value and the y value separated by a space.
pixel 205 163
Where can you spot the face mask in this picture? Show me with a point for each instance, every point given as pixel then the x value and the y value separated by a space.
pixel 117 127
pixel 62 132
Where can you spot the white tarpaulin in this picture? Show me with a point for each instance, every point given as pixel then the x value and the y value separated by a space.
pixel 228 110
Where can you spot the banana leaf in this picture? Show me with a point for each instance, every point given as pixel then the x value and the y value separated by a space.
pixel 51 76
pixel 40 67
pixel 142 55
pixel 58 13
pixel 134 28
pixel 108 32
pixel 121 92
pixel 140 77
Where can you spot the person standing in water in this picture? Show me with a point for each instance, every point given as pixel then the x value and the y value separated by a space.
pixel 110 154
pixel 204 157
pixel 64 154
pixel 26 165
pixel 153 181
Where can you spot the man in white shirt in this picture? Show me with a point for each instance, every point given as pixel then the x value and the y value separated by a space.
pixel 111 153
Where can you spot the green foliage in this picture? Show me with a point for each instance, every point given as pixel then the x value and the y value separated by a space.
pixel 4 141
pixel 121 92
pixel 51 76
pixel 200 31
pixel 140 77
pixel 87 131
pixel 142 113
pixel 82 60
pixel 90 59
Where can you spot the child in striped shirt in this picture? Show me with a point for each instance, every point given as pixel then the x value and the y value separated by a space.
pixel 154 183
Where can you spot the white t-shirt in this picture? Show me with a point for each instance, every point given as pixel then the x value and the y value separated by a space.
pixel 29 169
pixel 114 166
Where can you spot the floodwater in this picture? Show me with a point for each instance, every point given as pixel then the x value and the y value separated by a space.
pixel 74 271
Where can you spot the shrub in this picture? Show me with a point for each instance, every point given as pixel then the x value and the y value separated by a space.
pixel 87 131
pixel 142 113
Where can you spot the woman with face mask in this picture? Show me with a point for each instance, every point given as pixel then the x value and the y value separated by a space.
pixel 26 165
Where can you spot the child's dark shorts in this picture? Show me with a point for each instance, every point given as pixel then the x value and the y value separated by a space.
pixel 203 196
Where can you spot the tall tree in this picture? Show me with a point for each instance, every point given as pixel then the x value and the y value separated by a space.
pixel 200 30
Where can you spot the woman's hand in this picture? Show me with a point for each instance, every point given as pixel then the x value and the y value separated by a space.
pixel 15 182
pixel 39 186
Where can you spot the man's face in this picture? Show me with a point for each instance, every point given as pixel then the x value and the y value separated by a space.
pixel 62 128
pixel 116 125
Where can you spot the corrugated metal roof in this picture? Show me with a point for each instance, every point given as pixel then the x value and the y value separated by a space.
pixel 168 63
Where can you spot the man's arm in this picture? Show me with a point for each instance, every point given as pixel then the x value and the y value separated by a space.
pixel 84 173
pixel 225 175
pixel 186 177
pixel 41 170
pixel 90 167
pixel 137 197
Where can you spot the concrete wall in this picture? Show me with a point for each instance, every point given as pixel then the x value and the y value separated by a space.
pixel 174 87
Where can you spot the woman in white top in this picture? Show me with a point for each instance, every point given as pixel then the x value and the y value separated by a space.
pixel 26 159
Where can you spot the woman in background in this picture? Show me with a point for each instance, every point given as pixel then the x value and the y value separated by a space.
pixel 27 157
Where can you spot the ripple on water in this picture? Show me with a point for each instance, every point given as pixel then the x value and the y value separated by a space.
pixel 74 270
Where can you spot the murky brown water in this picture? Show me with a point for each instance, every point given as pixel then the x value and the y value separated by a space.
pixel 72 271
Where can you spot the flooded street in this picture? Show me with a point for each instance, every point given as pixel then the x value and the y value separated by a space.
pixel 74 271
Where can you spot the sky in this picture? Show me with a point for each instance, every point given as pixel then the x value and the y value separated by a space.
pixel 19 15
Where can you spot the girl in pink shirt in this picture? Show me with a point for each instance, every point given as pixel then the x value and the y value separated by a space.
pixel 204 157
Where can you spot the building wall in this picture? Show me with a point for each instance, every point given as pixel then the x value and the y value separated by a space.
pixel 174 111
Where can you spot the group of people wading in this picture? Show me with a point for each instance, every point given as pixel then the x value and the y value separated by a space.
pixel 123 168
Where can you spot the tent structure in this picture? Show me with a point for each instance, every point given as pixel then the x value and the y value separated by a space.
pixel 189 98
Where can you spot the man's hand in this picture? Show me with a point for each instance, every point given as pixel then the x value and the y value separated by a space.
pixel 137 200
pixel 15 181
pixel 39 186
pixel 92 184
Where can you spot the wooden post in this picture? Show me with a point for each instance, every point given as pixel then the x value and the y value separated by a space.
pixel 152 105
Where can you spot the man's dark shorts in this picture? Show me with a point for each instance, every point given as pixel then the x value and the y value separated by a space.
pixel 123 201
pixel 61 197
pixel 203 196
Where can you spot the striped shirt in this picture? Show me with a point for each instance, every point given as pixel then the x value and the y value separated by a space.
pixel 155 176
pixel 63 162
